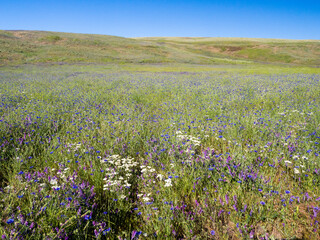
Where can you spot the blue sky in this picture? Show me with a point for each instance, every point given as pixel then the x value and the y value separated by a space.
pixel 189 18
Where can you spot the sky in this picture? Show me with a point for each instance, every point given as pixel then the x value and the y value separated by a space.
pixel 175 18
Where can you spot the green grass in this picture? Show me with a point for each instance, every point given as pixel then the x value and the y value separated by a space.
pixel 216 138
pixel 59 121
pixel 21 47
pixel 300 52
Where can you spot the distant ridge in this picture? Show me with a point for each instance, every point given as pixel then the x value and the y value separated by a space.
pixel 21 47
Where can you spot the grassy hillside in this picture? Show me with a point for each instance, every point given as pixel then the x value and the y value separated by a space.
pixel 304 52
pixel 36 46
pixel 18 47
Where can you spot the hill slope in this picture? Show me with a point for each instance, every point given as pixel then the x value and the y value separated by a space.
pixel 18 47
pixel 305 52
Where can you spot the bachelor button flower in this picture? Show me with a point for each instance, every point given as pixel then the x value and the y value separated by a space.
pixel 213 232
pixel 262 203
pixel 287 192
pixel 11 220
pixel 106 231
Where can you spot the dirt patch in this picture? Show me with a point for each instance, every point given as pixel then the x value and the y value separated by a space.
pixel 233 48
pixel 226 50
pixel 20 34
pixel 213 49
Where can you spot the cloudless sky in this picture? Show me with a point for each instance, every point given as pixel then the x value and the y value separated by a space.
pixel 189 18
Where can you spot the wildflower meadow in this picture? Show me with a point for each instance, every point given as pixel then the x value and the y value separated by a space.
pixel 96 153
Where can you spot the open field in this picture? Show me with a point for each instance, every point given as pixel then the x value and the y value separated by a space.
pixel 18 47
pixel 158 138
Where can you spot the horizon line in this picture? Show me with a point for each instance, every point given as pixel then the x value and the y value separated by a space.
pixel 103 34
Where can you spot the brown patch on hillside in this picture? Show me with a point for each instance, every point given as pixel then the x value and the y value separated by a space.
pixel 233 48
pixel 213 49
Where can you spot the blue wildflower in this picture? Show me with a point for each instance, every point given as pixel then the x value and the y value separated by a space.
pixel 106 231
pixel 11 220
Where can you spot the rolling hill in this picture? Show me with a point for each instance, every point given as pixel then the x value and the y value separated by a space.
pixel 22 47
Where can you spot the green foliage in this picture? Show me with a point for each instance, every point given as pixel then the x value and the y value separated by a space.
pixel 6 34
pixel 265 55
pixel 51 38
